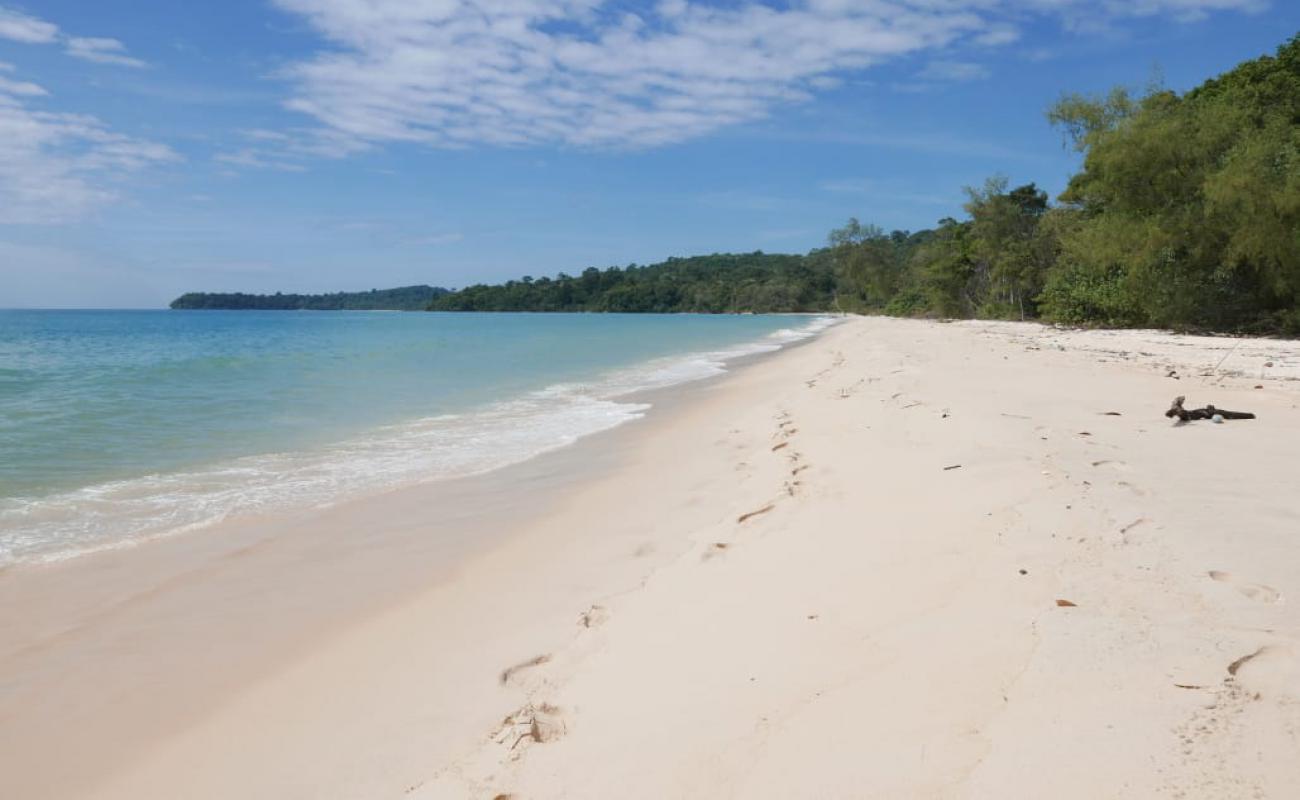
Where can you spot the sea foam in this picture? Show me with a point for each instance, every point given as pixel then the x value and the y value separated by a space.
pixel 123 513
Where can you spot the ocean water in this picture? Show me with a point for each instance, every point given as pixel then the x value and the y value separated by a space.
pixel 119 426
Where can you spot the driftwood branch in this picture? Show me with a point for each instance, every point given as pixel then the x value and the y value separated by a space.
pixel 1209 412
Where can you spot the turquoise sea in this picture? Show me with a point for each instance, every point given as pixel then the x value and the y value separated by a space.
pixel 116 426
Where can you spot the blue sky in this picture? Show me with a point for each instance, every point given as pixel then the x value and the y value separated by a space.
pixel 149 147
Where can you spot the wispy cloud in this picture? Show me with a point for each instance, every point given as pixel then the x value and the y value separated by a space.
pixel 100 51
pixel 261 148
pixel 256 159
pixel 578 72
pixel 57 167
pixel 18 26
pixel 20 88
pixel 590 73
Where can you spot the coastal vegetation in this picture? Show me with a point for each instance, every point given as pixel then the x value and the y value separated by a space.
pixel 1185 213
pixel 719 283
pixel 404 298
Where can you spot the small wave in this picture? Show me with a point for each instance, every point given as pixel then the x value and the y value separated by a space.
pixel 123 513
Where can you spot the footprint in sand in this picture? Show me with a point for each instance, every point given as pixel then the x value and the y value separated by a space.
pixel 1117 465
pixel 1255 591
pixel 533 724
pixel 714 550
pixel 510 672
pixel 593 617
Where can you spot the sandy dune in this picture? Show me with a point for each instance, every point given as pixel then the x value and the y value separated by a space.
pixel 908 559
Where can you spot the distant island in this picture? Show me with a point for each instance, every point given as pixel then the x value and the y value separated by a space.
pixel 403 298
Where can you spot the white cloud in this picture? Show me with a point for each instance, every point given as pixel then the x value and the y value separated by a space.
pixel 21 88
pixel 454 73
pixel 19 27
pixel 589 73
pixel 100 50
pixel 58 167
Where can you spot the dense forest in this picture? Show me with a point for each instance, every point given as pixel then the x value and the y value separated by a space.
pixel 405 298
pixel 756 282
pixel 1185 214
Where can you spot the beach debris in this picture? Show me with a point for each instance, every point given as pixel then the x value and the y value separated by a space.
pixel 1268 363
pixel 1111 414
pixel 762 510
pixel 1259 386
pixel 1065 603
pixel 779 446
pixel 1024 572
pixel 1173 373
pixel 1132 525
pixel 1209 412
pixel 1236 665
pixel 954 466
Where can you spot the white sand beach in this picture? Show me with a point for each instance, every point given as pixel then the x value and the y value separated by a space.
pixel 904 560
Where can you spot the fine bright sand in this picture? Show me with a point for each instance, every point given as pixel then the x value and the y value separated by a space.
pixel 907 559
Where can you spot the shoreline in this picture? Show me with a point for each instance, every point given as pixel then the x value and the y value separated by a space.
pixel 456 441
pixel 212 576
pixel 769 587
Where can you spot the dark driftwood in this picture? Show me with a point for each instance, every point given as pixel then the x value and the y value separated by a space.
pixel 1177 410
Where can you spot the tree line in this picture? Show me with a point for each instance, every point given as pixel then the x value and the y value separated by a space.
pixel 403 298
pixel 1185 214
pixel 720 283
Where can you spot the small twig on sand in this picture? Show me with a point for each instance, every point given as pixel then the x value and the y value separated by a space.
pixel 762 510
pixel 1225 357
